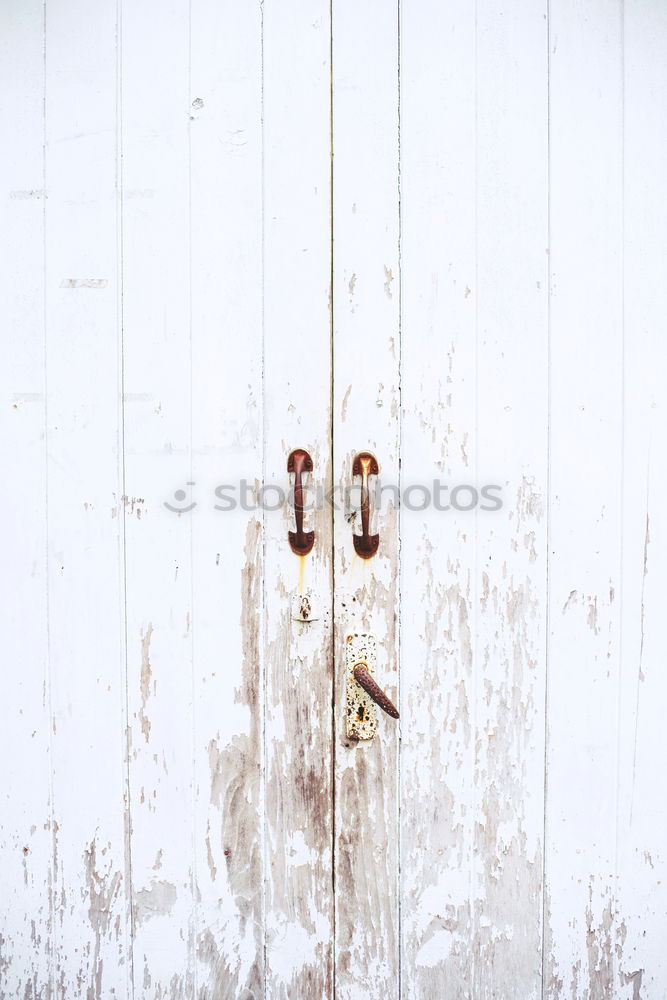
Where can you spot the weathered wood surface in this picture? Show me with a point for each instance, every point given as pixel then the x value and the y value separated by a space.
pixel 299 918
pixel 26 813
pixel 366 358
pixel 433 232
pixel 474 205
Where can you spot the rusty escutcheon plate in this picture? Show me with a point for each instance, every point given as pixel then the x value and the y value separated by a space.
pixel 361 713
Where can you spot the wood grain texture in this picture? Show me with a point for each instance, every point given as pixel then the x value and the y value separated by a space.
pixel 366 418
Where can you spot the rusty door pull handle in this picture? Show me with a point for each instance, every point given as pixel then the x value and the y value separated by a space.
pixel 365 465
pixel 301 541
pixel 363 677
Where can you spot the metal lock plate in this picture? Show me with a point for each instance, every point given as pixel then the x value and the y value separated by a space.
pixel 305 608
pixel 361 718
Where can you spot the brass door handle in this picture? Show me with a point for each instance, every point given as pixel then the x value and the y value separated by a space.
pixel 301 541
pixel 363 677
pixel 365 544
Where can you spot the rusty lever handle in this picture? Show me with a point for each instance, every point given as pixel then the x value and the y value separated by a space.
pixel 301 541
pixel 365 544
pixel 363 677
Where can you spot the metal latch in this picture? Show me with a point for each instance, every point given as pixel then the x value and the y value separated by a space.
pixel 363 692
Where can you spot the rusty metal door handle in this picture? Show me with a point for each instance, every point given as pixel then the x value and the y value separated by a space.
pixel 365 465
pixel 301 541
pixel 363 677
pixel 362 692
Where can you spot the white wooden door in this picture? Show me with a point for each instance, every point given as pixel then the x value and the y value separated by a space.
pixel 434 232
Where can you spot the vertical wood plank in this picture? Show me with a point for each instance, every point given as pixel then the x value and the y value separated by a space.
pixel 27 869
pixel 84 480
pixel 366 418
pixel 510 296
pixel 473 591
pixel 227 572
pixel 438 585
pixel 583 944
pixel 156 110
pixel 297 414
pixel 642 753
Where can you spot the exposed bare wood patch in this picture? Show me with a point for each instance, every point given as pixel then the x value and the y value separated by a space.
pixel 145 680
pixel 157 899
pixel 233 848
pixel 102 886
